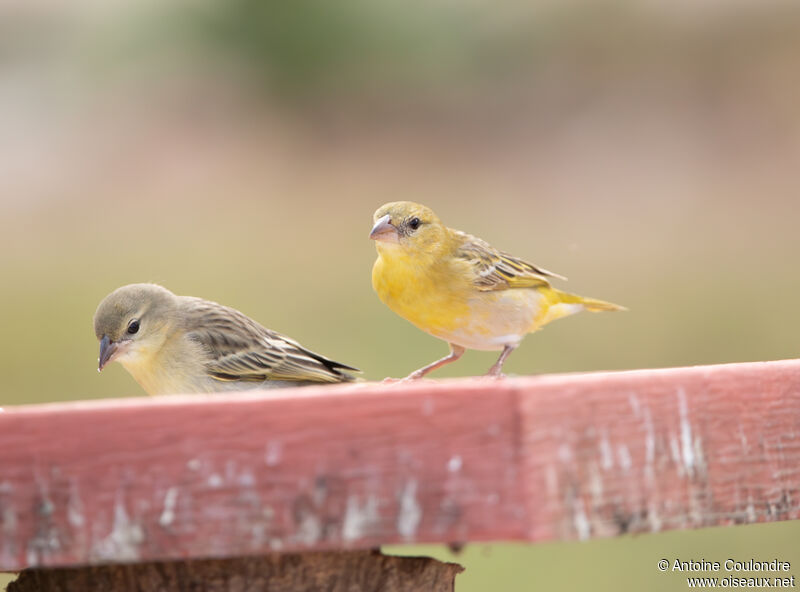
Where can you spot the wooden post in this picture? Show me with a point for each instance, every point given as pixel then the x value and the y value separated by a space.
pixel 349 468
pixel 343 571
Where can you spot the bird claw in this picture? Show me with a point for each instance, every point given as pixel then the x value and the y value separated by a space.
pixel 409 378
pixel 414 376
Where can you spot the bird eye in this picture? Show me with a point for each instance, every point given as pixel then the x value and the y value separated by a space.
pixel 133 327
pixel 414 223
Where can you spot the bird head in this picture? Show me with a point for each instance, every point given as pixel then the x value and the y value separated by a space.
pixel 130 322
pixel 408 226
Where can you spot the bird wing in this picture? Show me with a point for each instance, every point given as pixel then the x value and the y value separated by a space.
pixel 242 350
pixel 497 270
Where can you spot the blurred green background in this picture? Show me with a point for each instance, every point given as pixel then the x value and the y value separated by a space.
pixel 237 151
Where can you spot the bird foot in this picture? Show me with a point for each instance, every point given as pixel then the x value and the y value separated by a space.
pixel 416 375
pixel 409 378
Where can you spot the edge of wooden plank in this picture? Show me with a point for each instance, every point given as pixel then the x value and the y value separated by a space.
pixel 356 466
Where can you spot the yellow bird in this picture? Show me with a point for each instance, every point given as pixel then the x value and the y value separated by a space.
pixel 181 344
pixel 459 288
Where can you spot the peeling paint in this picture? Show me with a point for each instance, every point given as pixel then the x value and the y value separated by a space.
pixel 320 492
pixel 258 534
pixel 122 543
pixel 675 453
pixel 214 480
pixel 606 454
pixel 686 433
pixel 751 511
pixel 9 528
pixel 46 539
pixel 260 531
pixel 9 521
pixel 45 507
pixel 410 513
pixel 193 464
pixel 634 402
pixel 653 518
pixel 428 407
pixel 700 459
pixel 74 506
pixel 649 437
pixel 273 453
pixel 246 479
pixel 454 464
pixel 595 484
pixel 359 521
pixel 564 453
pixel 624 457
pixel 551 480
pixel 309 529
pixel 449 515
pixel 170 501
pixel 31 557
pixel 580 521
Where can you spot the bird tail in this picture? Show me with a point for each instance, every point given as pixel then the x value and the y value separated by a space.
pixel 590 304
pixel 563 304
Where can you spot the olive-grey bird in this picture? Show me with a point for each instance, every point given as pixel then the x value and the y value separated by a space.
pixel 181 344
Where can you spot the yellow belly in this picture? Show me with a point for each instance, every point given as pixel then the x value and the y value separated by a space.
pixel 417 297
pixel 497 319
pixel 449 307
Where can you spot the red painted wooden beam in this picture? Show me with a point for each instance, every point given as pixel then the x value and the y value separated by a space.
pixel 346 467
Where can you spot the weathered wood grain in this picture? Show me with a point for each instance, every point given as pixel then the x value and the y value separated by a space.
pixel 332 571
pixel 357 466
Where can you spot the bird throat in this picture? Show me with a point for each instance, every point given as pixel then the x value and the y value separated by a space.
pixel 417 289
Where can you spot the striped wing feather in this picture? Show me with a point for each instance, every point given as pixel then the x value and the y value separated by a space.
pixel 241 349
pixel 497 270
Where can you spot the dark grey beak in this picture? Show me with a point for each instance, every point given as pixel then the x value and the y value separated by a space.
pixel 108 349
pixel 384 231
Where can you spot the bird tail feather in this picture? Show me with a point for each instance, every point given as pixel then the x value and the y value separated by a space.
pixel 563 304
pixel 590 304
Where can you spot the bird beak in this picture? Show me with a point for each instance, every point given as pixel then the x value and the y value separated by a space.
pixel 384 231
pixel 108 351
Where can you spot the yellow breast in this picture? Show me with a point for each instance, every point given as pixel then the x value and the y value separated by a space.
pixel 174 366
pixel 427 293
pixel 439 297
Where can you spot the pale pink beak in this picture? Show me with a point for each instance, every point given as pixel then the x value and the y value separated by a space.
pixel 384 231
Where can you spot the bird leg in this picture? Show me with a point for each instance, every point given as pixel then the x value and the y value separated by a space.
pixel 456 351
pixel 497 369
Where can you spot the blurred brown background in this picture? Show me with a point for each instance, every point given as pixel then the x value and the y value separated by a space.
pixel 236 151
